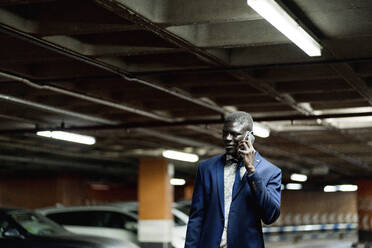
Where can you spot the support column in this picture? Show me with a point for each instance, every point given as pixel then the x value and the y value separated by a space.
pixel 155 196
pixel 188 191
pixel 365 211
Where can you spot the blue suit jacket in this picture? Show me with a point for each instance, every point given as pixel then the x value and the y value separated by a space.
pixel 258 198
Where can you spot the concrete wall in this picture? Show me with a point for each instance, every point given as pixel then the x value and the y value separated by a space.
pixel 42 191
pixel 315 207
pixel 68 190
pixel 114 193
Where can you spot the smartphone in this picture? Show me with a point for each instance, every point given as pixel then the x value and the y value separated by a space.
pixel 249 135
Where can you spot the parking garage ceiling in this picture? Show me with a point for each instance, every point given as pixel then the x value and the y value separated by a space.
pixel 142 76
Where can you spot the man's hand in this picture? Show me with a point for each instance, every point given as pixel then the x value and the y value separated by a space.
pixel 247 153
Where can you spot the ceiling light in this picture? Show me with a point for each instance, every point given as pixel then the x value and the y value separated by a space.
pixel 298 177
pixel 260 130
pixel 187 157
pixel 98 186
pixel 293 186
pixel 177 181
pixel 348 187
pixel 281 20
pixel 330 188
pixel 72 137
pixel 351 122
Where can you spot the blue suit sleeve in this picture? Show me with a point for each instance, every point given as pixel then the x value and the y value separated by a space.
pixel 268 196
pixel 196 217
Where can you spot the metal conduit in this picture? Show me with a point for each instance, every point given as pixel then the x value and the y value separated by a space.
pixel 174 93
pixel 63 164
pixel 150 132
pixel 176 139
pixel 164 136
pixel 256 67
pixel 87 98
pixel 126 75
pixel 56 110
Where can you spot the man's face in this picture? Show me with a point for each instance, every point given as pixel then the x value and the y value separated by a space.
pixel 233 132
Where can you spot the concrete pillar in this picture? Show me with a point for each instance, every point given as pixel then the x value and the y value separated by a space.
pixel 365 211
pixel 155 196
pixel 188 191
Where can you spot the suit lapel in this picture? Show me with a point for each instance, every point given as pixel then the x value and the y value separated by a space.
pixel 220 183
pixel 257 162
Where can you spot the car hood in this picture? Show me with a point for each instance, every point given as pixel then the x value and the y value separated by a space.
pixel 88 241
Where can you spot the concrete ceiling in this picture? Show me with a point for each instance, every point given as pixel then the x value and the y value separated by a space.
pixel 142 76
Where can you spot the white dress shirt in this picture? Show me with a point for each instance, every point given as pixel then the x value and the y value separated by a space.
pixel 229 178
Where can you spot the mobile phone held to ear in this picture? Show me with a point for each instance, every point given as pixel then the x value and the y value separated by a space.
pixel 249 135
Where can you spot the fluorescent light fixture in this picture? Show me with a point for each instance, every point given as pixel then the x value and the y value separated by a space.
pixel 177 181
pixel 72 137
pixel 351 122
pixel 342 187
pixel 293 186
pixel 260 130
pixel 330 188
pixel 98 186
pixel 281 20
pixel 183 156
pixel 298 177
pixel 348 187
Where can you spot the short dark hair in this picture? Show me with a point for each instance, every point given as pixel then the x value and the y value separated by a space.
pixel 241 117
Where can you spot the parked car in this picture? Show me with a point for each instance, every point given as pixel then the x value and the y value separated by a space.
pixel 95 220
pixel 115 221
pixel 183 206
pixel 180 221
pixel 20 228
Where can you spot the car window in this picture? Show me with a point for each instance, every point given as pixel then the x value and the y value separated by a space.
pixel 122 221
pixel 178 221
pixel 80 218
pixel 36 224
pixel 185 209
pixel 3 225
pixel 96 219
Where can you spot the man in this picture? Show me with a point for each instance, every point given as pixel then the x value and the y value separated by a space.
pixel 234 192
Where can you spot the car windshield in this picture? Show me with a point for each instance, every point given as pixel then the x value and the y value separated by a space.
pixel 36 224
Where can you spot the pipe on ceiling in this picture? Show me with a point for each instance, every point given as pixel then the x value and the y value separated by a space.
pixel 254 67
pixel 165 136
pixel 86 97
pixel 56 110
pixel 66 164
pixel 176 139
pixel 192 122
pixel 118 71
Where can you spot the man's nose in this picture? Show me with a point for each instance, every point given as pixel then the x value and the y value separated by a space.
pixel 229 136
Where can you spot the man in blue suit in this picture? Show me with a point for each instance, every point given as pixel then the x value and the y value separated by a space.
pixel 234 192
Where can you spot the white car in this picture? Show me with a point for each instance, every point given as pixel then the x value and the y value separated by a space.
pixel 180 221
pixel 115 221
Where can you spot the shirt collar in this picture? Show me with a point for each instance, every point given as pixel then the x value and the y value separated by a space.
pixel 229 159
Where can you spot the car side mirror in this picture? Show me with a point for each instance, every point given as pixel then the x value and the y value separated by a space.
pixel 131 226
pixel 12 233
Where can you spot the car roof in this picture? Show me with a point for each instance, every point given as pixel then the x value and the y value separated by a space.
pixel 8 209
pixel 54 210
pixel 119 207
